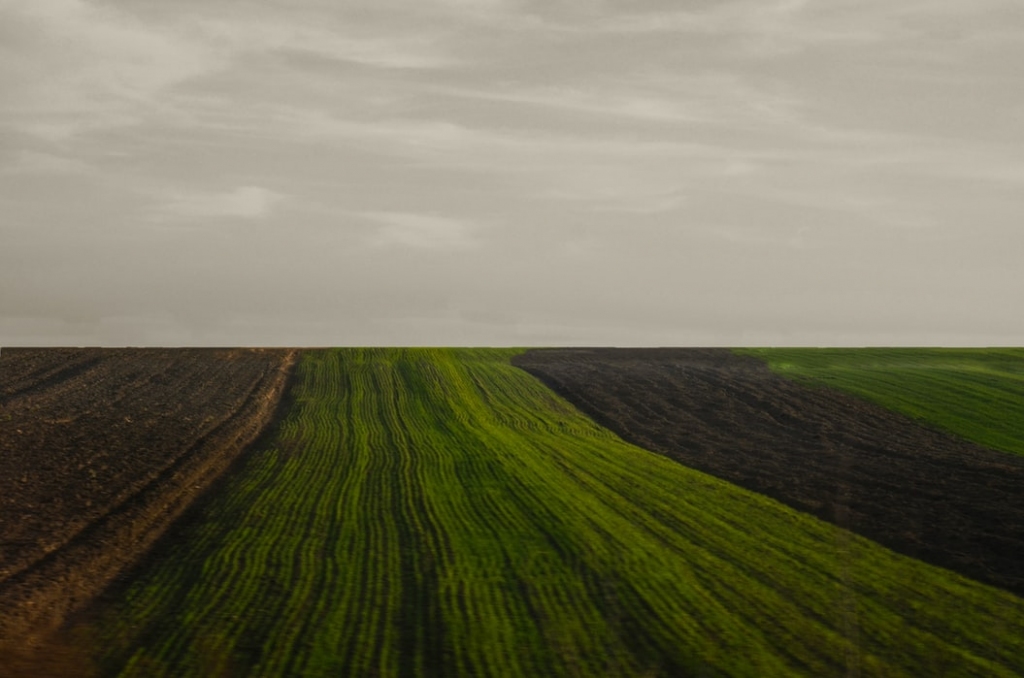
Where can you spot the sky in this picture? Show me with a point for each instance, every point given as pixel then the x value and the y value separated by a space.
pixel 511 172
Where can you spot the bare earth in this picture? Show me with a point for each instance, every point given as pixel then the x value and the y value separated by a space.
pixel 100 449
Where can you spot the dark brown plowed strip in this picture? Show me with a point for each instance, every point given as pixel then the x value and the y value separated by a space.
pixel 100 449
pixel 918 491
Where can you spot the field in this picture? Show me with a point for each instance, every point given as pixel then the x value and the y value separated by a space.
pixel 100 449
pixel 977 394
pixel 918 490
pixel 436 512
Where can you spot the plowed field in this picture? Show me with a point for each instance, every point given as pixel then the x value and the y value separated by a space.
pixel 919 491
pixel 100 449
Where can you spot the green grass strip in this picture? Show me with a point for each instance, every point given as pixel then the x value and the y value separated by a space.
pixel 977 394
pixel 428 512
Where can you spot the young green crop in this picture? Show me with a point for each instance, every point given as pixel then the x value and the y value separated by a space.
pixel 977 394
pixel 441 513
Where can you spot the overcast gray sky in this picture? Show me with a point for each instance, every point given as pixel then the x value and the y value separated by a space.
pixel 511 172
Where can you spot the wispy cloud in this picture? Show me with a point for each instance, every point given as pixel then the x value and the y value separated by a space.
pixel 396 49
pixel 244 202
pixel 36 162
pixel 636 106
pixel 778 27
pixel 420 231
pixel 75 66
pixel 656 96
pixel 81 65
pixel 759 26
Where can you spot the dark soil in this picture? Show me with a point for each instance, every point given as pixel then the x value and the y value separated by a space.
pixel 918 491
pixel 100 450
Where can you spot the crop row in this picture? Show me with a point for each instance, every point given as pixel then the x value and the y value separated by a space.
pixel 439 512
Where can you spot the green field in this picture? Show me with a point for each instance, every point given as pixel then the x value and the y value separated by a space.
pixel 975 393
pixel 441 513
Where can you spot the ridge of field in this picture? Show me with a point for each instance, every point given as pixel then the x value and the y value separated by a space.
pixel 430 512
pixel 976 393
pixel 911 487
pixel 100 449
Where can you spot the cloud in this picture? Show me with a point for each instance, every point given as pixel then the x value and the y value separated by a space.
pixel 420 231
pixel 244 202
pixel 609 173
pixel 597 129
pixel 385 50
pixel 655 98
pixel 617 187
pixel 71 65
pixel 592 101
pixel 35 162
pixel 783 27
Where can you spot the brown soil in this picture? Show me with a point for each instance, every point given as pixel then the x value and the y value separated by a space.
pixel 918 491
pixel 100 450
